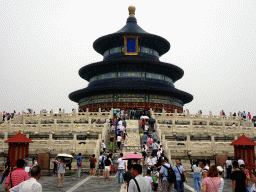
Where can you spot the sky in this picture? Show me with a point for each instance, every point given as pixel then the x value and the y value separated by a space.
pixel 43 44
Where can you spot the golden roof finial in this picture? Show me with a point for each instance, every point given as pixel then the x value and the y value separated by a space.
pixel 131 10
pixel 19 131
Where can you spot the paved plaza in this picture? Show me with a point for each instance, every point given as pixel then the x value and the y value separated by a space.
pixel 98 184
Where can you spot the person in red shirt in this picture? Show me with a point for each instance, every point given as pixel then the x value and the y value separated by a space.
pixel 249 115
pixel 17 176
pixel 143 123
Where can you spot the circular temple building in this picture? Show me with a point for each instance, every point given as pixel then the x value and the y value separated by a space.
pixel 131 74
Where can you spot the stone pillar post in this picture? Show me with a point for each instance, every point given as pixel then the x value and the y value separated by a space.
pixel 5 136
pixel 210 115
pixel 188 143
pixel 50 142
pixel 74 142
pixel 55 125
pixel 213 144
pixel 5 145
pixel 23 119
pixel 51 113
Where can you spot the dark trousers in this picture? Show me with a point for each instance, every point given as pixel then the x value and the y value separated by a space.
pixel 179 186
pixel 4 175
pixel 228 173
pixel 118 144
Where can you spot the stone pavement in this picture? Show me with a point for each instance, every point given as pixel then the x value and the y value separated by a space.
pixel 95 184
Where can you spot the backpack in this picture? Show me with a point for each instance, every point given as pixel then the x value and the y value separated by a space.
pixel 102 159
pixel 150 141
pixel 171 177
pixel 78 161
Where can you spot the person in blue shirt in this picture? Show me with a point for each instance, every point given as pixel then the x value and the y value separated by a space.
pixel 117 133
pixel 79 165
pixel 179 170
pixel 163 173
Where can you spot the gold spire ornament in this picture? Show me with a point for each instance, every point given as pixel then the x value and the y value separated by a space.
pixel 131 10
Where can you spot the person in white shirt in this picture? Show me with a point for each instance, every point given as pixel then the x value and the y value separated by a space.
pixel 154 160
pixel 149 178
pixel 121 164
pixel 240 161
pixel 149 162
pixel 197 176
pixel 118 141
pixel 159 153
pixel 142 182
pixel 30 185
pixel 253 188
pixel 220 169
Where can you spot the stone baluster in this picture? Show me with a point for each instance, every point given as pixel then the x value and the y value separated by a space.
pixel 87 112
pixel 100 113
pixel 210 115
pixel 23 119
pixel 199 114
pixel 41 115
pixel 50 142
pixel 63 114
pixel 213 144
pixel 74 115
pixel 56 128
pixel 191 126
pixel 72 126
pixel 188 144
pixel 5 145
pixel 74 142
pixel 52 113
pixel 175 113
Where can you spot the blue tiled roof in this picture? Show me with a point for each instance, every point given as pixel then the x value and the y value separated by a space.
pixel 133 85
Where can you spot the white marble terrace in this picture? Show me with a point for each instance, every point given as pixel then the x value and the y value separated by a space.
pixel 183 135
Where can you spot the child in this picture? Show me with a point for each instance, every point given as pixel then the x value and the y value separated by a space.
pixel 155 178
pixel 253 188
pixel 103 146
pixel 225 170
pixel 149 178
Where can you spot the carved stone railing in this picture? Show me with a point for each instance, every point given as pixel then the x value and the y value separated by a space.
pixel 197 118
pixel 47 119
